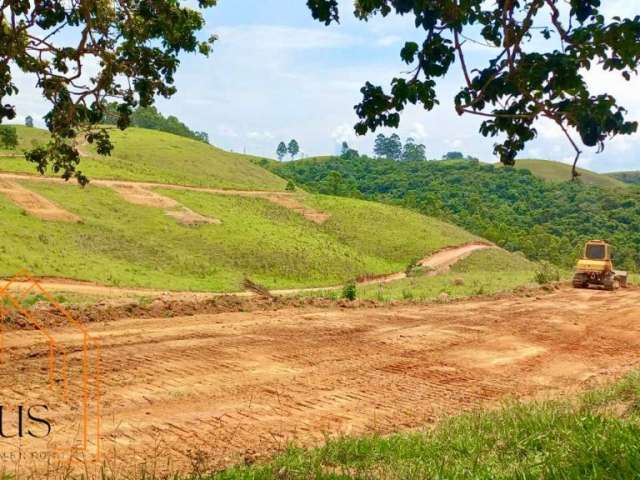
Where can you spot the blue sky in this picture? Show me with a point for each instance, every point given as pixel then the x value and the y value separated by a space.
pixel 277 74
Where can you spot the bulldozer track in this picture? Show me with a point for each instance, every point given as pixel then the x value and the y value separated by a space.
pixel 239 385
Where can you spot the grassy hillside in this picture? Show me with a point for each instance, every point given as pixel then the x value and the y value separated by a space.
pixel 594 436
pixel 512 207
pixel 561 172
pixel 482 272
pixel 151 155
pixel 118 243
pixel 626 177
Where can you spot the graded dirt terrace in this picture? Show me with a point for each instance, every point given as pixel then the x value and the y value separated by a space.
pixel 233 387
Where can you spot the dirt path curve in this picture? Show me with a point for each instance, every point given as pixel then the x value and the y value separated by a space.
pixel 283 199
pixel 439 262
pixel 232 387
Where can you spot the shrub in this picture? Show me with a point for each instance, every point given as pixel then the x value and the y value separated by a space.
pixel 291 187
pixel 349 292
pixel 546 273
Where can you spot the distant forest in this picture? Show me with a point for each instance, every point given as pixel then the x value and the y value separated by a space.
pixel 509 206
pixel 149 117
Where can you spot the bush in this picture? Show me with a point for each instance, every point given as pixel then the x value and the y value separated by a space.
pixel 291 187
pixel 349 292
pixel 546 273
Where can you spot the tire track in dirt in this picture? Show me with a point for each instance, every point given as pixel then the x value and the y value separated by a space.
pixel 237 386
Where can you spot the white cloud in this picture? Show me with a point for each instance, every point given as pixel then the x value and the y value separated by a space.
pixel 282 38
pixel 343 133
pixel 263 135
pixel 418 131
pixel 226 131
pixel 388 40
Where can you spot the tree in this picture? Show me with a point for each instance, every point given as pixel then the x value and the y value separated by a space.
pixel 133 46
pixel 8 136
pixel 394 147
pixel 413 151
pixel 348 153
pixel 380 146
pixel 28 121
pixel 388 147
pixel 293 148
pixel 202 136
pixel 542 51
pixel 453 156
pixel 281 151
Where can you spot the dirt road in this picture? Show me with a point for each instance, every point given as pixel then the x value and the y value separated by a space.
pixel 217 389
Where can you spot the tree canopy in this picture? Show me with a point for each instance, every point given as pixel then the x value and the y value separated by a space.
pixel 281 150
pixel 293 148
pixel 8 136
pixel 87 53
pixel 541 50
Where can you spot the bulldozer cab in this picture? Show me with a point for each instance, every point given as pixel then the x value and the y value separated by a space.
pixel 597 250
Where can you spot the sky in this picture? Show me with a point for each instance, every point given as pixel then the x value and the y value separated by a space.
pixel 276 74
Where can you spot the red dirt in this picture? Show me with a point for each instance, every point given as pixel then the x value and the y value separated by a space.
pixel 229 387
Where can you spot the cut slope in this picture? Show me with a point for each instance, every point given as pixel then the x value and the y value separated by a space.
pixel 151 155
pixel 119 243
pixel 561 172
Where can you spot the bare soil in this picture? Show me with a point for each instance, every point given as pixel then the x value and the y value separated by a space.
pixel 35 204
pixel 216 389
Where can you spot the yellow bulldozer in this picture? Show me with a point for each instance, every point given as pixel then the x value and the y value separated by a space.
pixel 596 268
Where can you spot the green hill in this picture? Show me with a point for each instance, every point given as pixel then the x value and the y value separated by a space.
pixel 626 177
pixel 119 243
pixel 561 172
pixel 151 155
pixel 512 207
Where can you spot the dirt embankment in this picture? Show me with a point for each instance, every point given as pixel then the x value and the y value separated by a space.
pixel 231 387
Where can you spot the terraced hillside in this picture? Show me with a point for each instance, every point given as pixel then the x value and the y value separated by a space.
pixel 154 156
pixel 206 240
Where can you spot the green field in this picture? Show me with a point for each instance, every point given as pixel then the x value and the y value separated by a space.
pixel 151 155
pixel 121 244
pixel 561 172
pixel 595 436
